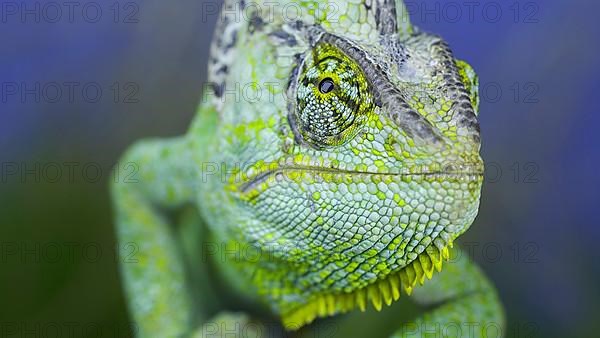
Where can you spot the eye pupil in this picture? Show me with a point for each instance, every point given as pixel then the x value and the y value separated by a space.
pixel 326 85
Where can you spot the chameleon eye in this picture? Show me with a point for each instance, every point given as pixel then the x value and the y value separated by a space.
pixel 333 96
pixel 326 86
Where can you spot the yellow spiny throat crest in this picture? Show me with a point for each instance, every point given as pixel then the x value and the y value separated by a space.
pixel 383 291
pixel 334 98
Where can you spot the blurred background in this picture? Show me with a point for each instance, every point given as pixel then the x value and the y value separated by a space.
pixel 79 87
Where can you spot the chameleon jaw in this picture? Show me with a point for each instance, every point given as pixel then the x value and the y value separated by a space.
pixel 305 306
pixel 383 291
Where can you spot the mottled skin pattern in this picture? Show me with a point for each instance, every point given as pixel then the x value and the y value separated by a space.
pixel 332 163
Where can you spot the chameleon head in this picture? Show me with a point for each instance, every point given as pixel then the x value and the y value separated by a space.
pixel 364 176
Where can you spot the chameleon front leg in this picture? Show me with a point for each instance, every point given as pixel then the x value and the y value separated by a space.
pixel 465 304
pixel 155 283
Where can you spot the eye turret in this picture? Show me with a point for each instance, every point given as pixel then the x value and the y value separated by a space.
pixel 334 99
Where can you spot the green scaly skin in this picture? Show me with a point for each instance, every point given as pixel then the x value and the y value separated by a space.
pixel 333 161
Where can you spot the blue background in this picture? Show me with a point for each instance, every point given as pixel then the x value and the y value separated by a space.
pixel 538 231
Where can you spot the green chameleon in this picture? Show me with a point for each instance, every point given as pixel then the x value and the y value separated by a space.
pixel 333 162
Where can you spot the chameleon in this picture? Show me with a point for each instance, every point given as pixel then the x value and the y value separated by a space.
pixel 333 162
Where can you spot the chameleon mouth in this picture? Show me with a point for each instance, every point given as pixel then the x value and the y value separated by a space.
pixel 288 172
